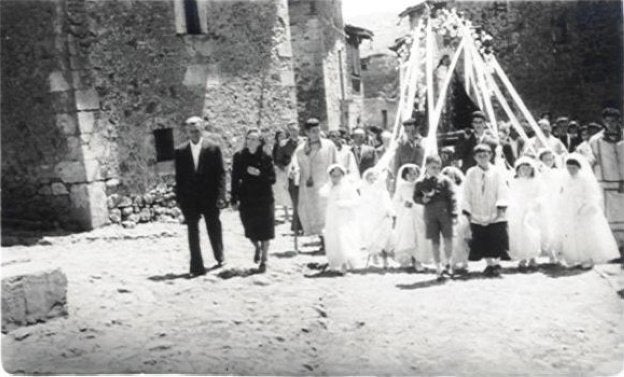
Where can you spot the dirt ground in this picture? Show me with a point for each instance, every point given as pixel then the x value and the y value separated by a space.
pixel 132 310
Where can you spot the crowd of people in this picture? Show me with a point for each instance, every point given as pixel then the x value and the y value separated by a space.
pixel 493 196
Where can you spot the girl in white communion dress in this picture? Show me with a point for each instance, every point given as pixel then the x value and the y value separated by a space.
pixel 342 236
pixel 585 234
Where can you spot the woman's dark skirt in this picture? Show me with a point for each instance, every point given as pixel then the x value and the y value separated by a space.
pixel 258 220
pixel 489 241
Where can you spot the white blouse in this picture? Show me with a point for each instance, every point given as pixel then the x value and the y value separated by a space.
pixel 484 192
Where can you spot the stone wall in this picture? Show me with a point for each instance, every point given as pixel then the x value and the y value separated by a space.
pixel 380 75
pixel 562 56
pixel 319 50
pixel 47 120
pixel 372 112
pixel 85 83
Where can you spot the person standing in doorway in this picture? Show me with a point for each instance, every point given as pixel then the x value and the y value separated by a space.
pixel 200 191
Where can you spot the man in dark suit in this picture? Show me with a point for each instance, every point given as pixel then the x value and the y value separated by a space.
pixel 365 155
pixel 200 190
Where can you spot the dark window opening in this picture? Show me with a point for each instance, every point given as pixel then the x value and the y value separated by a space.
pixel 164 144
pixel 384 118
pixel 355 82
pixel 312 7
pixel 191 14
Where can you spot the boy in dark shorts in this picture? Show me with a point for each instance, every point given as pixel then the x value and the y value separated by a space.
pixel 436 192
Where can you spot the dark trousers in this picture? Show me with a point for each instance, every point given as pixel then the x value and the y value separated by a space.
pixel 213 225
pixel 293 190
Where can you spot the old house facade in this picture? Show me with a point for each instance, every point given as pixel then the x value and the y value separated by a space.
pixel 94 94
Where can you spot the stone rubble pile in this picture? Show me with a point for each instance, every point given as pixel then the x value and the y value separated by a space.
pixel 158 204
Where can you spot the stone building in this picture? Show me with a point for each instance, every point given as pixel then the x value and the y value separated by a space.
pixel 94 92
pixel 354 106
pixel 563 57
pixel 322 49
pixel 380 76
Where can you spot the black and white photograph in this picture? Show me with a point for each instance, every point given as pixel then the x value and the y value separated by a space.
pixel 312 187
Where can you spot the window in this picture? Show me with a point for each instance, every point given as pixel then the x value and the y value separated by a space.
pixel 190 16
pixel 164 144
pixel 357 85
pixel 313 7
pixel 356 65
pixel 384 118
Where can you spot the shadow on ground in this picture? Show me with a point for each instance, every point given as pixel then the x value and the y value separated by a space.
pixel 285 254
pixel 238 272
pixel 172 276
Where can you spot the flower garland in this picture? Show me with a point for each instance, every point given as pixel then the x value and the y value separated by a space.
pixel 447 23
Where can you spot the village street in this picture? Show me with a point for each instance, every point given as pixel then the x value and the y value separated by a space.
pixel 132 310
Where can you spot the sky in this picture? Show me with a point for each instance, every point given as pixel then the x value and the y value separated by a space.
pixel 352 8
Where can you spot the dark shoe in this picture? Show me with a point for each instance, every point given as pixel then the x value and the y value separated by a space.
pixel 257 255
pixel 523 268
pixel 460 271
pixel 262 268
pixel 197 273
pixel 447 271
pixel 489 271
pixel 220 263
pixel 441 277
pixel 496 271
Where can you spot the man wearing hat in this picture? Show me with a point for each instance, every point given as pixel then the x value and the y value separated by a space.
pixel 410 149
pixel 477 135
pixel 560 128
pixel 608 149
pixel 568 133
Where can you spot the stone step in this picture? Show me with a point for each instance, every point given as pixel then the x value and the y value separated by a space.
pixel 29 297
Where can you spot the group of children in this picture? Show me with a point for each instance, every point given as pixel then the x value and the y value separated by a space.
pixel 491 213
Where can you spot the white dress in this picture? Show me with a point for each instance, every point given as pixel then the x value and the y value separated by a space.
pixel 409 232
pixel 523 218
pixel 375 216
pixel 342 235
pixel 550 191
pixel 462 234
pixel 585 232
pixel 346 159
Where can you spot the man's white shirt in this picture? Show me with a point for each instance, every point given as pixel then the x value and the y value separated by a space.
pixel 195 150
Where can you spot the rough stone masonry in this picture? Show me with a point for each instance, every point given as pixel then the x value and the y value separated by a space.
pixel 86 83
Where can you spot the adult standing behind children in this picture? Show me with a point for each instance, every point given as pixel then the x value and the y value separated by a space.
pixel 479 135
pixel 486 196
pixel 365 155
pixel 410 149
pixel 313 158
pixel 608 158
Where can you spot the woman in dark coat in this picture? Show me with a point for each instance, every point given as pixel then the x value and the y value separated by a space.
pixel 253 176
